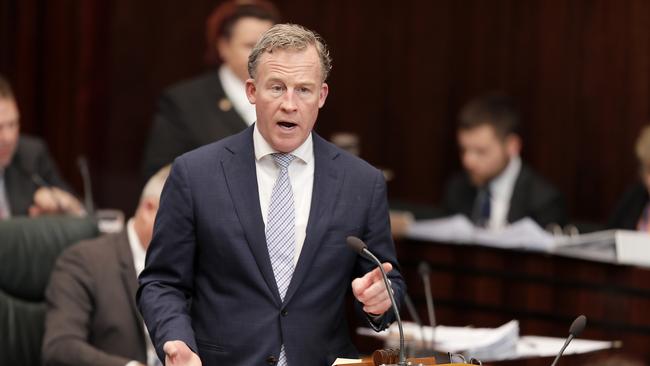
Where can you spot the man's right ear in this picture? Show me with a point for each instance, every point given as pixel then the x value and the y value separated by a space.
pixel 251 89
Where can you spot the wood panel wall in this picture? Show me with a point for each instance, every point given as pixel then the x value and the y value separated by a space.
pixel 87 75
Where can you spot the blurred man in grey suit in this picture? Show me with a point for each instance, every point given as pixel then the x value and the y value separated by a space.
pixel 91 317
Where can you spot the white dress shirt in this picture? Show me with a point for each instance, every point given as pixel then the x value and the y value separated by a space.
pixel 501 189
pixel 301 175
pixel 139 254
pixel 138 251
pixel 235 90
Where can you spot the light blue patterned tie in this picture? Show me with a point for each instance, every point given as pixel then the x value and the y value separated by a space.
pixel 281 231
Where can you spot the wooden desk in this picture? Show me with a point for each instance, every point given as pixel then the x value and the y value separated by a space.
pixel 487 287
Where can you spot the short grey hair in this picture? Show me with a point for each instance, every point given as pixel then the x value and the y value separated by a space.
pixel 155 184
pixel 290 37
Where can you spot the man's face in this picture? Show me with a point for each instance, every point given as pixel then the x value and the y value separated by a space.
pixel 235 51
pixel 9 129
pixel 287 93
pixel 484 154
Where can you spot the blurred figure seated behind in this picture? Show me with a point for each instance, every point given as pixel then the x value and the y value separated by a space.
pixel 497 188
pixel 91 314
pixel 211 106
pixel 633 210
pixel 29 180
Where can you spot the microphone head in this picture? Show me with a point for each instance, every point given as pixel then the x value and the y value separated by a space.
pixel 424 269
pixel 578 325
pixel 356 244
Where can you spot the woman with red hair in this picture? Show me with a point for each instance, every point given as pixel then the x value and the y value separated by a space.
pixel 211 106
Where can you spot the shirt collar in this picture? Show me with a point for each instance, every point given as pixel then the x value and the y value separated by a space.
pixel 304 152
pixel 235 89
pixel 504 182
pixel 137 250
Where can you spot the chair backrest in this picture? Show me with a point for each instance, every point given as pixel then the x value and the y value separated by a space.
pixel 28 250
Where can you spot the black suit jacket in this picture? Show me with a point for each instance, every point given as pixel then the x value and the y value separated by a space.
pixel 629 208
pixel 190 114
pixel 532 197
pixel 91 313
pixel 30 167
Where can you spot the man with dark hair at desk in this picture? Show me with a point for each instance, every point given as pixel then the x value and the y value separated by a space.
pixel 249 264
pixel 212 106
pixel 497 188
pixel 30 183
pixel 632 212
pixel 91 316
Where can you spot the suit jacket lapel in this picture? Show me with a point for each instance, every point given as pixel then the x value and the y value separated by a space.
pixel 518 199
pixel 241 178
pixel 19 188
pixel 129 277
pixel 328 178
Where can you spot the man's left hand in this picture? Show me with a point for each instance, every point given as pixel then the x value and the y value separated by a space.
pixel 53 200
pixel 371 291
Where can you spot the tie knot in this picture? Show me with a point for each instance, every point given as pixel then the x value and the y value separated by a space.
pixel 283 160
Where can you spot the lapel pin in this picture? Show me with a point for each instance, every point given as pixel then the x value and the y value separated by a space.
pixel 225 104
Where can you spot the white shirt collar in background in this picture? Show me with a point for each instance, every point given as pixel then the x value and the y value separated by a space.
pixel 235 90
pixel 501 189
pixel 138 252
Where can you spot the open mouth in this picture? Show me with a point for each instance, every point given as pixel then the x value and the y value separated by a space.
pixel 287 125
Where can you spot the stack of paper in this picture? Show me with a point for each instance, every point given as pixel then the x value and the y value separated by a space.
pixel 524 233
pixel 488 344
pixel 480 343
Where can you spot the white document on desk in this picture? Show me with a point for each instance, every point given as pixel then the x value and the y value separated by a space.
pixel 452 229
pixel 524 233
pixel 488 344
pixel 481 343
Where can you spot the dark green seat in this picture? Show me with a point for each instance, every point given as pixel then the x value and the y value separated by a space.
pixel 28 251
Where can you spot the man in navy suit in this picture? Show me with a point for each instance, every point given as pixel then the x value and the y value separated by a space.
pixel 217 288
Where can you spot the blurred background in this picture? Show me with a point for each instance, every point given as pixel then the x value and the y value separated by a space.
pixel 87 75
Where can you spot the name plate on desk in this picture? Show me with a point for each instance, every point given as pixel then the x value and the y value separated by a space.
pixel 633 247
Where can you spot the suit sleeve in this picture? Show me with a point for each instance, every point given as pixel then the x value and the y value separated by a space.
pixel 167 138
pixel 166 284
pixel 551 207
pixel 69 310
pixel 45 167
pixel 377 235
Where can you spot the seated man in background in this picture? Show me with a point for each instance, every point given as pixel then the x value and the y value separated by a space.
pixel 497 188
pixel 633 209
pixel 211 106
pixel 91 314
pixel 29 180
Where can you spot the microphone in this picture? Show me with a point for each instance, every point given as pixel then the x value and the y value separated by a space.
pixel 360 247
pixel 416 318
pixel 424 270
pixel 576 328
pixel 82 162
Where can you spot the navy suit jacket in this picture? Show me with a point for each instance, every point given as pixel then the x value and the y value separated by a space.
pixel 208 279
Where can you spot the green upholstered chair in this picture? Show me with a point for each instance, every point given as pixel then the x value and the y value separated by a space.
pixel 28 251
